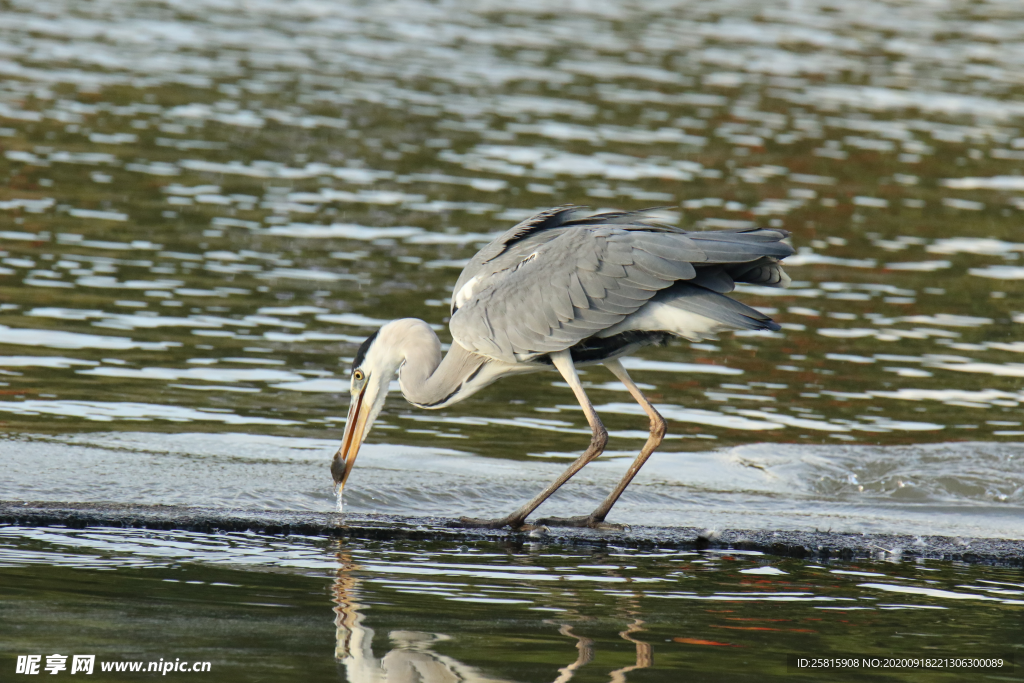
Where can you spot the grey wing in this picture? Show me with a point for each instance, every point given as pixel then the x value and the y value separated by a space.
pixel 510 247
pixel 549 291
pixel 551 294
pixel 483 262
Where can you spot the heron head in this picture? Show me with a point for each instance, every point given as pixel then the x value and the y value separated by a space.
pixel 373 368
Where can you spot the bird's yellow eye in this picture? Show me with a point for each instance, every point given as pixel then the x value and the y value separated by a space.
pixel 358 375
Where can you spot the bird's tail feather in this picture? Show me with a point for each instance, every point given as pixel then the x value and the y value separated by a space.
pixel 718 307
pixel 765 271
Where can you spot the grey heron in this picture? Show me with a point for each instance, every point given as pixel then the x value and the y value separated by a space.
pixel 560 290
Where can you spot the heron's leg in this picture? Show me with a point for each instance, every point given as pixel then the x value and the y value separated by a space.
pixel 563 362
pixel 653 441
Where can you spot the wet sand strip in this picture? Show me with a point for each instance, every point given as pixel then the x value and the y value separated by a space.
pixel 817 545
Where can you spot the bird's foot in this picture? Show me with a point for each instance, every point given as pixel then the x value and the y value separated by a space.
pixel 473 523
pixel 585 521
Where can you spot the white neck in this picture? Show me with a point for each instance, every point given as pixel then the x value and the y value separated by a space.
pixel 427 380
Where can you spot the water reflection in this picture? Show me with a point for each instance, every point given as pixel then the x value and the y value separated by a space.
pixel 411 657
pixel 644 652
pixel 412 611
pixel 585 646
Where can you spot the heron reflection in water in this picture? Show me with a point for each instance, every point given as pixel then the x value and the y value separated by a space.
pixel 560 290
pixel 412 658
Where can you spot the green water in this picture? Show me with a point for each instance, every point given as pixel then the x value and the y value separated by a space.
pixel 263 608
pixel 205 209
pixel 206 206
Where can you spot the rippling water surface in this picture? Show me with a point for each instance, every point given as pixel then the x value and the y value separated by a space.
pixel 311 609
pixel 207 205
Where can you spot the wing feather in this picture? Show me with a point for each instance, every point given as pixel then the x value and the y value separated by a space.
pixel 621 297
pixel 577 295
pixel 561 303
pixel 593 284
pixel 619 253
pixel 601 317
pixel 715 279
pixel 661 268
pixel 557 279
pixel 612 270
pixel 638 278
pixel 736 247
pixel 669 246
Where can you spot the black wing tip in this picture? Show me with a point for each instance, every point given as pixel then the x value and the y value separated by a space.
pixel 639 219
pixel 565 215
pixel 760 321
pixel 616 213
pixel 782 232
pixel 547 219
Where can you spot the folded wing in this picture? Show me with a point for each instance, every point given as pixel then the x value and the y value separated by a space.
pixel 555 279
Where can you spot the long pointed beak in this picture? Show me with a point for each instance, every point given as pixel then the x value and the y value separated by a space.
pixel 345 458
